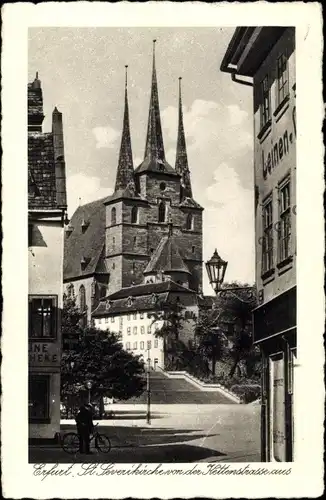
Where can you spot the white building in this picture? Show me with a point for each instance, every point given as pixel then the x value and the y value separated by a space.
pixel 133 312
pixel 46 214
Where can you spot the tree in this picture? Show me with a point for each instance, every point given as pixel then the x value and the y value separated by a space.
pixel 211 341
pixel 98 357
pixel 172 315
pixel 236 308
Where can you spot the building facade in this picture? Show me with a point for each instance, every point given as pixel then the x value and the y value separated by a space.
pixel 264 57
pixel 46 214
pixel 135 313
pixel 109 243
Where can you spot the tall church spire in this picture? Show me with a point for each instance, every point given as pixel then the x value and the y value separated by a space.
pixel 181 162
pixel 125 172
pixel 154 148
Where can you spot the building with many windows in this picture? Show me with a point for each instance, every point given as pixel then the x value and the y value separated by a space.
pixel 46 214
pixel 134 313
pixel 109 243
pixel 264 57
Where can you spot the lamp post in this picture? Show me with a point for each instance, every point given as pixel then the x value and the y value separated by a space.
pixel 148 414
pixel 89 386
pixel 216 268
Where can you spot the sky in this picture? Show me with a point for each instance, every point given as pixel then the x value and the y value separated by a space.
pixel 82 73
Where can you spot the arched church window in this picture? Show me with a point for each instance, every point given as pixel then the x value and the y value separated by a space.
pixel 161 212
pixel 134 215
pixel 189 221
pixel 113 216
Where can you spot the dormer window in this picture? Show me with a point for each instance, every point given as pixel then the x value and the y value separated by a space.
pixel 69 229
pixel 130 301
pixel 84 225
pixel 154 298
pixel 108 305
pixel 83 262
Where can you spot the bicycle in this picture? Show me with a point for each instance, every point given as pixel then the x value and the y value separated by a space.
pixel 70 442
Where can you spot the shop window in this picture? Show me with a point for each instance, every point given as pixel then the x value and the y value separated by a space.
pixel 267 247
pixel 38 398
pixel 42 317
pixel 113 216
pixel 282 79
pixel 134 215
pixel 265 107
pixel 284 232
pixel 161 212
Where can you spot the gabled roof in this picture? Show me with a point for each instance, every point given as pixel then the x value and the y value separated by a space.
pixel 41 172
pixel 166 258
pixel 148 289
pixel 142 298
pixel 87 243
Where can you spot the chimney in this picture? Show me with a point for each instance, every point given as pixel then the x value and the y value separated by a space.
pixel 59 158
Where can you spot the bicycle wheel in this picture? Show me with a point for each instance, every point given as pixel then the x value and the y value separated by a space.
pixel 70 443
pixel 103 443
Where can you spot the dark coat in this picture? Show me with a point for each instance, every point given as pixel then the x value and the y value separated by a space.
pixel 84 420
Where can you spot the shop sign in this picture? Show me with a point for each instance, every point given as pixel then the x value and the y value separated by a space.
pixel 278 150
pixel 43 354
pixel 276 316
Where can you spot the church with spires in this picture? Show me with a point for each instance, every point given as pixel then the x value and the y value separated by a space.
pixel 142 244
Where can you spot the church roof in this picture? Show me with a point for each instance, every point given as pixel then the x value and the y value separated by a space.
pixel 125 178
pixel 190 203
pixel 86 241
pixel 166 258
pixel 154 157
pixel 142 298
pixel 181 162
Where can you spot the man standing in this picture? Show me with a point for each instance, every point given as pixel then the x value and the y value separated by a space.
pixel 85 426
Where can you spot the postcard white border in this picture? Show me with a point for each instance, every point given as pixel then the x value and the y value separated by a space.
pixel 306 479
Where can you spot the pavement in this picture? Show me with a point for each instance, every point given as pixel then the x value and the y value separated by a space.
pixel 177 433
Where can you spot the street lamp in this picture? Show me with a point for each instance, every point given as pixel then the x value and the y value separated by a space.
pixel 216 268
pixel 148 415
pixel 89 386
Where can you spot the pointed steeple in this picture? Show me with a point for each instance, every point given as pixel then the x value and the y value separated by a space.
pixel 125 173
pixel 154 148
pixel 181 162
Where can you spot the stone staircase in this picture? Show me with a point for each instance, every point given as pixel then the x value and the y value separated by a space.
pixel 175 388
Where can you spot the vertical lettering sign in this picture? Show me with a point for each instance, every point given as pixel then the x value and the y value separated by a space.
pixel 43 354
pixel 281 147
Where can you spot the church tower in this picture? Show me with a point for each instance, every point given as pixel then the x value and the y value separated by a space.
pixel 145 203
pixel 126 234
